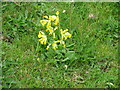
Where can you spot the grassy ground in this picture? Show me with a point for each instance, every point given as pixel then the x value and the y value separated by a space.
pixel 88 61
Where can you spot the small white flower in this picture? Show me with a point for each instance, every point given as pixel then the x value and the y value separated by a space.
pixel 65 66
pixel 91 15
pixel 110 84
pixel 72 1
pixel 64 11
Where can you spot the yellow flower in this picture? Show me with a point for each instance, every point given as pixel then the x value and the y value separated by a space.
pixel 51 32
pixel 52 18
pixel 49 23
pixel 57 41
pixel 55 28
pixel 56 21
pixel 57 17
pixel 50 29
pixel 54 45
pixel 62 32
pixel 42 37
pixel 45 17
pixel 48 47
pixel 62 42
pixel 40 34
pixel 43 22
pixel 65 34
pixel 57 13
pixel 43 40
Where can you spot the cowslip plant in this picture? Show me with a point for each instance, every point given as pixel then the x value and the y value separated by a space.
pixel 52 35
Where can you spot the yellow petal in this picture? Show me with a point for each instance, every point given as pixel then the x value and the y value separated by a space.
pixel 57 13
pixel 45 17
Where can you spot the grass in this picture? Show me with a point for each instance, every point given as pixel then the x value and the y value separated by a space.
pixel 89 61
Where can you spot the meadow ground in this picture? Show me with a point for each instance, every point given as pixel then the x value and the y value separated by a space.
pixel 90 59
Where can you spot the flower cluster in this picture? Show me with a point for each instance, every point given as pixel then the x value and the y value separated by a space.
pixel 52 34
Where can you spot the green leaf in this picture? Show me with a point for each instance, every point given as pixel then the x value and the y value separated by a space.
pixel 71 55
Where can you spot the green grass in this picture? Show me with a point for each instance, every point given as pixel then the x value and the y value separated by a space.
pixel 91 55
